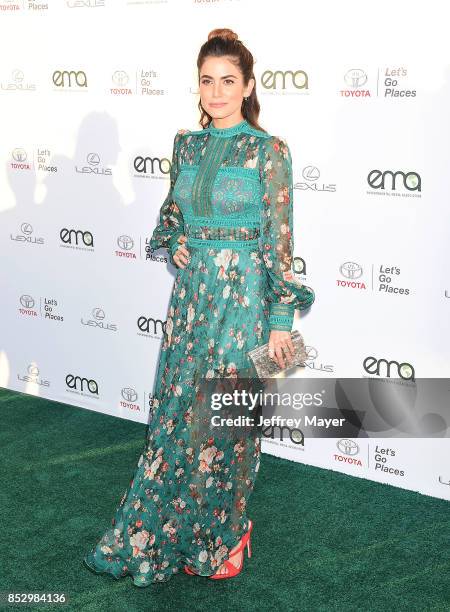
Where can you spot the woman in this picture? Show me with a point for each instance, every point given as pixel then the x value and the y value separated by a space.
pixel 227 225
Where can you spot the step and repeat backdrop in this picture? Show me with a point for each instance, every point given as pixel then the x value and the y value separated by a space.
pixel 92 93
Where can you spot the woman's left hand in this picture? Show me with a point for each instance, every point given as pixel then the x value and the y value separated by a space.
pixel 281 345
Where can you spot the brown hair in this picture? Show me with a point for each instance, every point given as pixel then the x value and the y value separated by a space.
pixel 223 41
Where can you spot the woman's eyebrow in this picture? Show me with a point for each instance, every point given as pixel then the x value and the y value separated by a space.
pixel 224 77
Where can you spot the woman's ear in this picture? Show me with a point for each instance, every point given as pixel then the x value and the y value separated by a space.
pixel 251 84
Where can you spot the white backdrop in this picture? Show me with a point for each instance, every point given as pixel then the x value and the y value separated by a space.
pixel 92 91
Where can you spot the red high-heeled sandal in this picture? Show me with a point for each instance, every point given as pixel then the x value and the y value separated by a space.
pixel 231 570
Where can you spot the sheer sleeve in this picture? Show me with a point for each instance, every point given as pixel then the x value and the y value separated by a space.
pixel 171 224
pixel 285 291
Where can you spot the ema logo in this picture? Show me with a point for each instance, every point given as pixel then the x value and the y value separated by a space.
pixel 380 180
pixel 372 365
pixel 144 324
pixel 64 78
pixel 159 164
pixel 299 265
pixel 75 237
pixel 80 385
pixel 274 79
pixel 295 434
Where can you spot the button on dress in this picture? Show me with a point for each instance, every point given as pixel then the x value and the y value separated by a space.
pixel 231 195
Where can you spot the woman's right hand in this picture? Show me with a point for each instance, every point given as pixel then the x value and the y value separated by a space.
pixel 181 254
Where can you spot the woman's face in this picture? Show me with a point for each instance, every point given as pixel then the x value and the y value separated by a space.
pixel 222 89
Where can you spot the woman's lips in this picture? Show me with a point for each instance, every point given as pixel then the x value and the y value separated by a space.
pixel 217 104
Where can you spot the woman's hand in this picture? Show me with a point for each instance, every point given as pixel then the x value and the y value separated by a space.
pixel 281 345
pixel 181 255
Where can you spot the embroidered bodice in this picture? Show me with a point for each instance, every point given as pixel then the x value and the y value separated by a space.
pixel 229 186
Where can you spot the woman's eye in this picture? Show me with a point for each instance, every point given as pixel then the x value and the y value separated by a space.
pixel 207 81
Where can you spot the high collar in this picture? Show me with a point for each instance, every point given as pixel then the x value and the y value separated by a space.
pixel 229 131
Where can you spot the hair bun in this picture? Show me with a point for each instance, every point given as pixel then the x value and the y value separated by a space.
pixel 223 33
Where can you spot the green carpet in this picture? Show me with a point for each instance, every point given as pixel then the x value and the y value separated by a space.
pixel 321 541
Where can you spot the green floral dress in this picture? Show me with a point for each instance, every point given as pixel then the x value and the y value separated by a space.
pixel 231 194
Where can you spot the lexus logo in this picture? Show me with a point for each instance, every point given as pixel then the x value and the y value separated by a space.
pixel 311 173
pixel 98 314
pixel 93 159
pixel 33 370
pixel 17 76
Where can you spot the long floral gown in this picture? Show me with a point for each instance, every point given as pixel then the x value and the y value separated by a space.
pixel 231 194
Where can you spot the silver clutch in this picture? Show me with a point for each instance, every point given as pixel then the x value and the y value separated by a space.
pixel 266 367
